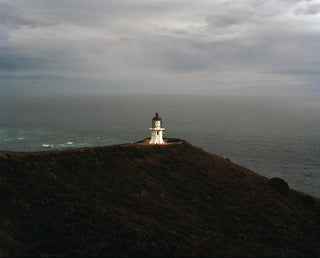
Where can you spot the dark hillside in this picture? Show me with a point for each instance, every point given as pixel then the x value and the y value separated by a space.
pixel 135 200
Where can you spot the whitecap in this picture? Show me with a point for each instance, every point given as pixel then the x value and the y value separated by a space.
pixel 21 138
pixel 47 145
pixel 69 143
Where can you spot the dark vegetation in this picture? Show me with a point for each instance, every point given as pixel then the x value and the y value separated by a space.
pixel 138 200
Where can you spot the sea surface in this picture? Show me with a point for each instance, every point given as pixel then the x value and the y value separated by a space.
pixel 272 136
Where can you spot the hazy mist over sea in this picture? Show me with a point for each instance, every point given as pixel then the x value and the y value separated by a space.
pixel 272 136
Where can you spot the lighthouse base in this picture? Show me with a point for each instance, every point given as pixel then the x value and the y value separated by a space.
pixel 156 136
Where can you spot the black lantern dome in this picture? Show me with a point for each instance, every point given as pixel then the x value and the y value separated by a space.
pixel 157 118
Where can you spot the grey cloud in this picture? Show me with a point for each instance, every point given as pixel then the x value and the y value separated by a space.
pixel 311 9
pixel 153 45
pixel 231 15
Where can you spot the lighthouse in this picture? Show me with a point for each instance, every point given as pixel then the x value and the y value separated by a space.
pixel 156 130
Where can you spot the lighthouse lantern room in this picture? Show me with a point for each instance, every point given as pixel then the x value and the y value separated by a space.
pixel 157 131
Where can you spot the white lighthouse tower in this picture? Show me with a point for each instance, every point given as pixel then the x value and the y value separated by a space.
pixel 156 130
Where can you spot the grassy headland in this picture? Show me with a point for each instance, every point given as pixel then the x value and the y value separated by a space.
pixel 134 200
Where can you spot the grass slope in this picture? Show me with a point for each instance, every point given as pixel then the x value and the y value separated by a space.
pixel 175 200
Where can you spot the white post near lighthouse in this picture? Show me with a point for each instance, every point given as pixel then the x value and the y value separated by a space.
pixel 156 130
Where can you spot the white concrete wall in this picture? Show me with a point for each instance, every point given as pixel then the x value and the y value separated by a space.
pixel 156 135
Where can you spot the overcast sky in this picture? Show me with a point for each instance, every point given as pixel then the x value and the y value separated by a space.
pixel 247 47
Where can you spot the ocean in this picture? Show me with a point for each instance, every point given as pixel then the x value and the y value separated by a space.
pixel 272 136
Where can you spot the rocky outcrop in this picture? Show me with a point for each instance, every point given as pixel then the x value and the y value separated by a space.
pixel 279 184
